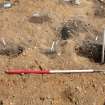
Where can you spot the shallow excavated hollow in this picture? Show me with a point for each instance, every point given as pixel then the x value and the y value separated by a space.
pixel 91 50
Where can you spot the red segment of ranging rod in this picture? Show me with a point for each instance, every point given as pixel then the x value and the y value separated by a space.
pixel 27 71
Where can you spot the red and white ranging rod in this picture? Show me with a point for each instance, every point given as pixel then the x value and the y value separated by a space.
pixel 25 71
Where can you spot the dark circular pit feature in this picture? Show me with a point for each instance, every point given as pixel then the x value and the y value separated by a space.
pixel 11 49
pixel 90 50
pixel 74 27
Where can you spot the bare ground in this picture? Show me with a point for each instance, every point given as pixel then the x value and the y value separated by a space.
pixel 71 89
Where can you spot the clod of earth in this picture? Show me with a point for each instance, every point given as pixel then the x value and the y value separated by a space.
pixel 11 49
pixel 90 50
pixel 39 19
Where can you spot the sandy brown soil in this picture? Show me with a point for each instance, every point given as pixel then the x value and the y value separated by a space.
pixel 71 89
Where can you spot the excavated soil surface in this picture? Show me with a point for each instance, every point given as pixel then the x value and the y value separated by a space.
pixel 24 38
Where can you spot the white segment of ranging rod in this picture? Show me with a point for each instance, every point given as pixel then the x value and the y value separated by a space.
pixel 103 48
pixel 71 71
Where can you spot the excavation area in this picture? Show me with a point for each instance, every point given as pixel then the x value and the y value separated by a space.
pixel 52 35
